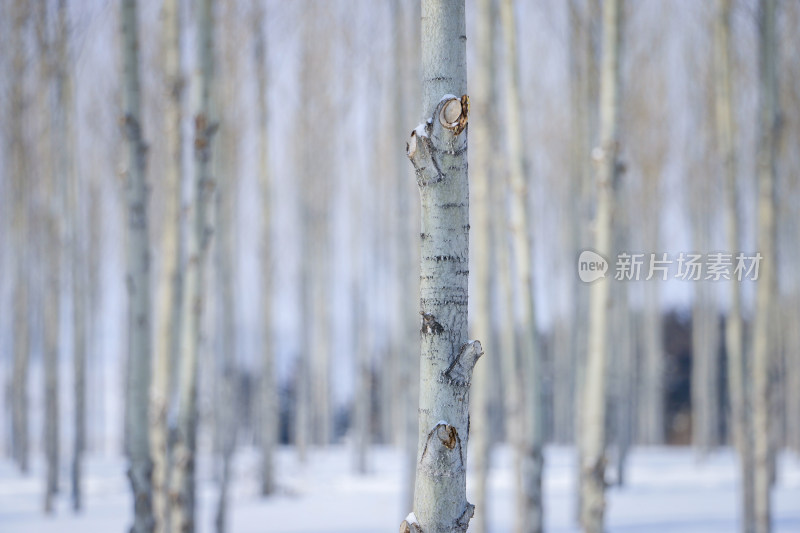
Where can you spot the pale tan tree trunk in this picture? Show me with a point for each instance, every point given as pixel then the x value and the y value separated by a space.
pixel 182 492
pixel 763 334
pixel 480 323
pixel 168 288
pixel 529 500
pixel 593 481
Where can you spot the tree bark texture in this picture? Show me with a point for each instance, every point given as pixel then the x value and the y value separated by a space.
pixel 438 150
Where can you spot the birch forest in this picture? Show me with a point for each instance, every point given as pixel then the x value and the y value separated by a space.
pixel 447 266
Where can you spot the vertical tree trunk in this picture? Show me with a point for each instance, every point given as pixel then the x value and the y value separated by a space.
pixel 168 289
pixel 139 326
pixel 763 337
pixel 182 494
pixel 53 250
pixel 438 150
pixel 19 156
pixel 408 345
pixel 651 403
pixel 269 397
pixel 481 322
pixel 605 156
pixel 529 503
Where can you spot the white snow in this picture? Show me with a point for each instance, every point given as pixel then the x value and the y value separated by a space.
pixel 669 490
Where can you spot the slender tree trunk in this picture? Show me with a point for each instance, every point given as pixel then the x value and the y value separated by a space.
pixel 651 404
pixel 269 397
pixel 481 321
pixel 182 494
pixel 605 157
pixel 168 287
pixel 529 503
pixel 408 337
pixel 140 470
pixel 438 150
pixel 19 161
pixel 763 337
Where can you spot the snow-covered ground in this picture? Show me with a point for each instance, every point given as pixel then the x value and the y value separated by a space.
pixel 668 490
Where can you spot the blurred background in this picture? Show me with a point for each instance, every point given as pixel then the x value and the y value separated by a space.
pixel 308 344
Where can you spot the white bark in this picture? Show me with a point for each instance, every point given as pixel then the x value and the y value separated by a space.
pixel 138 279
pixel 438 150
pixel 763 337
pixel 408 336
pixel 168 287
pixel 182 493
pixel 605 156
pixel 21 324
pixel 480 322
pixel 529 502
pixel 269 396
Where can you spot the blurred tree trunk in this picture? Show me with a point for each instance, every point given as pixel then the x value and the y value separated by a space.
pixel 529 500
pixel 447 358
pixel 21 222
pixel 53 249
pixel 73 244
pixel 651 402
pixel 764 334
pixel 227 170
pixel 481 319
pixel 621 364
pixel 168 289
pixel 584 98
pixel 408 334
pixel 269 397
pixel 182 494
pixel 605 156
pixel 139 325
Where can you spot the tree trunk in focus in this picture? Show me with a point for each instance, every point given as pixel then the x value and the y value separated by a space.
pixel 438 151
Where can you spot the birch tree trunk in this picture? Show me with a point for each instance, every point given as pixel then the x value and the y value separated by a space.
pixel 269 397
pixel 438 151
pixel 605 156
pixel 52 252
pixel 21 223
pixel 481 322
pixel 763 338
pixel 408 345
pixel 168 289
pixel 140 470
pixel 529 502
pixel 182 494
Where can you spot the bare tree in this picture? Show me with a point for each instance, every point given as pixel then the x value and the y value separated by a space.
pixel 269 398
pixel 763 335
pixel 139 325
pixel 605 156
pixel 529 501
pixel 182 493
pixel 21 222
pixel 480 323
pixel 168 288
pixel 438 150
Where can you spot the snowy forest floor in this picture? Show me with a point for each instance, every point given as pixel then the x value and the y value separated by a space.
pixel 668 490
